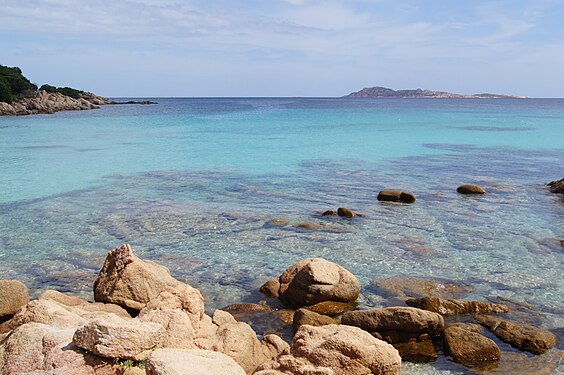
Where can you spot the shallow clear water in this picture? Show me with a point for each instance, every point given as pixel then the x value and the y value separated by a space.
pixel 190 183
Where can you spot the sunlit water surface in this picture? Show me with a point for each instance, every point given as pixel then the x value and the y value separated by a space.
pixel 190 183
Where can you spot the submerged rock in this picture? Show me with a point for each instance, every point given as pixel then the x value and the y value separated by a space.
pixel 331 308
pixel 402 287
pixel 469 348
pixel 396 196
pixel 396 319
pixel 455 307
pixel 522 336
pixel 311 281
pixel 335 349
pixel 417 351
pixel 191 361
pixel 13 295
pixel 470 189
pixel 277 222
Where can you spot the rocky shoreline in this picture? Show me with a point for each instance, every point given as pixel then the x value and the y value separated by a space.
pixel 144 321
pixel 50 102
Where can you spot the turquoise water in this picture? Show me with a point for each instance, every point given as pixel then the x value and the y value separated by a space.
pixel 190 183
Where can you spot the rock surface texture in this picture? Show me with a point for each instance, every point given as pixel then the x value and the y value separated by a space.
pixel 455 307
pixel 397 319
pixel 13 295
pixel 311 281
pixel 335 350
pixel 131 282
pixel 191 362
pixel 522 336
pixel 469 348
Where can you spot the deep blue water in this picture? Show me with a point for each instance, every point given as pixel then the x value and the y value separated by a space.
pixel 190 183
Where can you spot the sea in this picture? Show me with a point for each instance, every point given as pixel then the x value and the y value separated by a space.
pixel 193 184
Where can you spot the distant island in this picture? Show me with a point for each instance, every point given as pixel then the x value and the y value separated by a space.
pixel 19 96
pixel 384 92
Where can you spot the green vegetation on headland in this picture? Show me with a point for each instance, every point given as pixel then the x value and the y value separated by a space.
pixel 68 91
pixel 14 85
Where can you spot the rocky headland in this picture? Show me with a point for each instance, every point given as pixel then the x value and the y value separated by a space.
pixel 19 96
pixel 144 321
pixel 384 92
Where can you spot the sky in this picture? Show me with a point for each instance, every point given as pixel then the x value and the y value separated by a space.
pixel 152 48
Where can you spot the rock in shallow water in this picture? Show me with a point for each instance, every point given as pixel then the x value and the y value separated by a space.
pixel 557 186
pixel 396 196
pixel 470 189
pixel 455 307
pixel 311 281
pixel 522 336
pixel 401 319
pixel 402 287
pixel 469 348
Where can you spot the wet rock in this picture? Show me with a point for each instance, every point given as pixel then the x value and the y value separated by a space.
pixel 314 280
pixel 400 319
pixel 331 308
pixel 13 295
pixel 402 287
pixel 191 361
pixel 417 351
pixel 396 337
pixel 309 226
pixel 345 212
pixel 335 349
pixel 469 348
pixel 396 196
pixel 328 213
pixel 115 337
pixel 522 336
pixel 246 308
pixel 277 222
pixel 36 348
pixel 131 282
pixel 455 307
pixel 470 189
pixel 304 316
pixel 557 186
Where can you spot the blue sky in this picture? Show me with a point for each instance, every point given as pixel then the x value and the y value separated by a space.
pixel 286 47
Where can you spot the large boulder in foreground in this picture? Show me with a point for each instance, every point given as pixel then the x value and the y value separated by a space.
pixel 115 337
pixel 522 336
pixel 192 362
pixel 398 319
pixel 13 295
pixel 455 307
pixel 470 348
pixel 335 349
pixel 557 186
pixel 36 348
pixel 131 282
pixel 311 281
